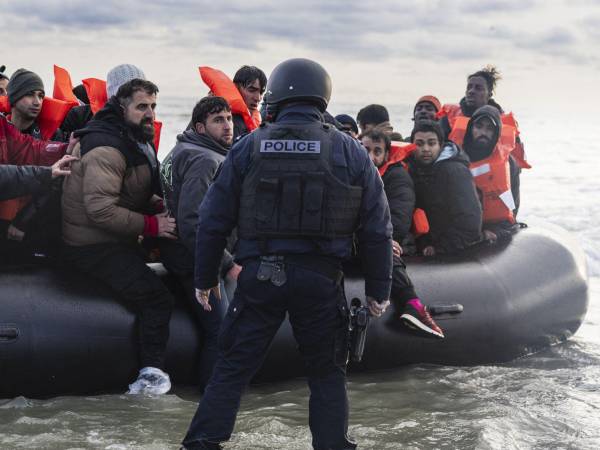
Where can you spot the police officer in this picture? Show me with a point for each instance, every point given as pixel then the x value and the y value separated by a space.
pixel 297 190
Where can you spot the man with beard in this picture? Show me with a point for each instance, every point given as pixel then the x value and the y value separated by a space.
pixel 251 83
pixel 110 199
pixel 489 143
pixel 186 173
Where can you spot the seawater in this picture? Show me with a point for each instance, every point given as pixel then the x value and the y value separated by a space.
pixel 549 400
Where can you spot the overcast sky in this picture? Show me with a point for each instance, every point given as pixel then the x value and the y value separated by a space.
pixel 384 51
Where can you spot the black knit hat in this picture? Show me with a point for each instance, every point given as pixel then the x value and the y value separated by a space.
pixel 21 83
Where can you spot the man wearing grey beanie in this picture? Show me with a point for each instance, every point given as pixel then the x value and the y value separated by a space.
pixel 25 95
pixel 120 75
pixel 79 116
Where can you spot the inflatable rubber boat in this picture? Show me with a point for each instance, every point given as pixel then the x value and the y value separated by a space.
pixel 61 334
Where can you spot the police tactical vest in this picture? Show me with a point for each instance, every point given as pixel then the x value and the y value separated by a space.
pixel 289 190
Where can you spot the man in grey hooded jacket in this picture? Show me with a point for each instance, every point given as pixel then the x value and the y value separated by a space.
pixel 186 174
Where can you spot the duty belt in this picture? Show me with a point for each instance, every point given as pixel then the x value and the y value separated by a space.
pixel 272 267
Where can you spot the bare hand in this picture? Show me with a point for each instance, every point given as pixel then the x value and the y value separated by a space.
pixel 62 167
pixel 490 236
pixel 166 226
pixel 397 249
pixel 375 308
pixel 73 141
pixel 203 296
pixel 429 251
pixel 234 272
pixel 14 234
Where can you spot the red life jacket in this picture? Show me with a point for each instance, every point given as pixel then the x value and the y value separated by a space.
pixel 519 151
pixel 96 91
pixel 222 86
pixel 51 116
pixel 451 111
pixel 399 151
pixel 63 87
pixel 492 174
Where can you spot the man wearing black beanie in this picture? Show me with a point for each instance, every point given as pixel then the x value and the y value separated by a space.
pixel 26 94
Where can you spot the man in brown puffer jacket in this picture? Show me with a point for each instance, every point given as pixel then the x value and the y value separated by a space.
pixel 112 198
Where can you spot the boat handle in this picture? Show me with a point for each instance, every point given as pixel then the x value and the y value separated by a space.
pixel 8 333
pixel 436 310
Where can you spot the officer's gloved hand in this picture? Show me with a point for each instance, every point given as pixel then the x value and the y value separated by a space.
pixel 376 308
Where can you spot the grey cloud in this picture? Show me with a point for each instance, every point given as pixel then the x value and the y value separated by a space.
pixel 495 6
pixel 376 30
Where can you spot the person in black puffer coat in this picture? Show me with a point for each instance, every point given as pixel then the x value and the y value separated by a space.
pixel 445 189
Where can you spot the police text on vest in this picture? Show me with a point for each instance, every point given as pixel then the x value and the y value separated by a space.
pixel 290 146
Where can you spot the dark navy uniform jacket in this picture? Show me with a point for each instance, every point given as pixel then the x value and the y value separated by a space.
pixel 218 213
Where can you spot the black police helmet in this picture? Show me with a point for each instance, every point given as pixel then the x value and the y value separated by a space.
pixel 299 80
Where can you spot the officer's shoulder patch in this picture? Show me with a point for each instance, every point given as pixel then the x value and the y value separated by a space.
pixel 290 146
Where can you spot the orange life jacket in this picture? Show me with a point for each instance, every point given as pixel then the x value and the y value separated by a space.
pixel 222 86
pixel 96 91
pixel 492 174
pixel 519 151
pixel 399 151
pixel 51 116
pixel 451 111
pixel 63 87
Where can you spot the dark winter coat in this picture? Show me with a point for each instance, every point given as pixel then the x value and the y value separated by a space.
pixel 446 191
pixel 76 119
pixel 400 192
pixel 17 181
pixel 187 172
pixel 350 164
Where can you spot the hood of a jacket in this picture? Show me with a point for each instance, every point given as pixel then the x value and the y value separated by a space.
pixel 201 140
pixel 451 152
pixel 477 152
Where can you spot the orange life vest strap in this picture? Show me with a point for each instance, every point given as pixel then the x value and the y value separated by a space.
pixel 63 87
pixel 96 91
pixel 222 86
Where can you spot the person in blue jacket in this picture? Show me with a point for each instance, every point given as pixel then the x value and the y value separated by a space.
pixel 297 190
